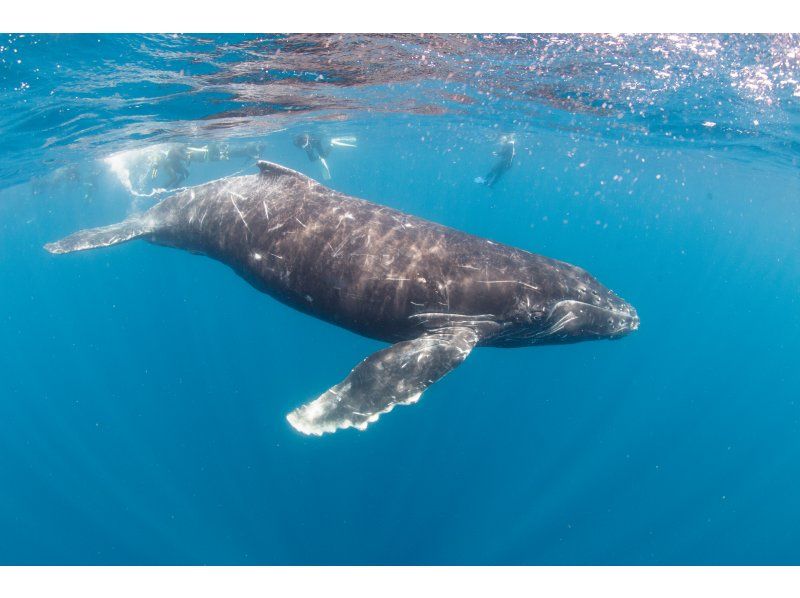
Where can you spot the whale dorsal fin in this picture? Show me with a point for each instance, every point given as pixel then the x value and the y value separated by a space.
pixel 271 169
pixel 397 375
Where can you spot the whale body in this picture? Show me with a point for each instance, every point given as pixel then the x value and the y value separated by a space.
pixel 434 293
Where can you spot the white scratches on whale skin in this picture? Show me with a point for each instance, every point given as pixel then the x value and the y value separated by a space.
pixel 343 217
pixel 433 321
pixel 524 284
pixel 439 320
pixel 336 252
pixel 402 221
pixel 431 314
pixel 235 207
pixel 235 194
pixel 444 291
pixel 193 210
pixel 369 258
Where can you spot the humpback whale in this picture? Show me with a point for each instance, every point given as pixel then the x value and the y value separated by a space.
pixel 434 293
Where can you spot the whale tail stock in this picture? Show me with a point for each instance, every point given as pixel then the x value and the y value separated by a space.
pixel 90 238
pixel 136 226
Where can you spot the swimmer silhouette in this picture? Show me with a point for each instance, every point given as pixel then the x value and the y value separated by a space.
pixel 505 157
pixel 216 152
pixel 173 160
pixel 174 165
pixel 318 148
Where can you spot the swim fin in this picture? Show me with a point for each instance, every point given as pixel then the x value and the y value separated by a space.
pixel 344 141
pixel 326 172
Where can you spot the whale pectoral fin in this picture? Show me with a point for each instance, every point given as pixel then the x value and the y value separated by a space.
pixel 397 375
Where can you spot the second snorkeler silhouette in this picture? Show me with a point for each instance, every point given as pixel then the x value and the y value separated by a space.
pixel 505 157
pixel 318 148
pixel 169 163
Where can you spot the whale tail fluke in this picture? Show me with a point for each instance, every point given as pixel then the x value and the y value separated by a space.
pixel 103 236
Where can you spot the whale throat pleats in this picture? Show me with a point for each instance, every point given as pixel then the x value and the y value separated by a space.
pixel 397 375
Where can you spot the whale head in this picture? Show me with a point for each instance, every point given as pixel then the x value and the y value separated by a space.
pixel 584 309
pixel 573 320
pixel 570 306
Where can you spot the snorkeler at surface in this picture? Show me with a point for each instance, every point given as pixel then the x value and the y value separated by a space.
pixel 155 169
pixel 505 157
pixel 215 152
pixel 174 164
pixel 317 149
pixel 252 150
pixel 178 157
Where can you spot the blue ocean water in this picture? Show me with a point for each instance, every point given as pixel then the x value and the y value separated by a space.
pixel 143 390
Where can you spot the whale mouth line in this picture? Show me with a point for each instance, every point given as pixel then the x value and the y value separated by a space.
pixel 575 302
pixel 629 317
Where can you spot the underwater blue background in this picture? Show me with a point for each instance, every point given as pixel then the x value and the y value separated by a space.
pixel 143 390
